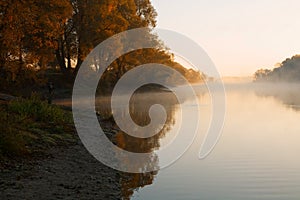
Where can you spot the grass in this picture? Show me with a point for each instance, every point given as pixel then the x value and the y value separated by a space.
pixel 38 110
pixel 32 125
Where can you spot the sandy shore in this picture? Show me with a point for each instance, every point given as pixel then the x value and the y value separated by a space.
pixel 67 173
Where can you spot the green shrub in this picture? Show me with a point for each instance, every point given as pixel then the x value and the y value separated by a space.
pixel 39 110
pixel 11 140
pixel 32 125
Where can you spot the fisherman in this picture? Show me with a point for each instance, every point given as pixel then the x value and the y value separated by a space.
pixel 51 92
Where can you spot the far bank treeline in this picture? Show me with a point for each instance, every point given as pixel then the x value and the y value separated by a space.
pixel 287 71
pixel 42 38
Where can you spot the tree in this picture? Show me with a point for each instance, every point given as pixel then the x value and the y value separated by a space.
pixel 29 34
pixel 288 71
pixel 261 74
pixel 35 33
pixel 92 22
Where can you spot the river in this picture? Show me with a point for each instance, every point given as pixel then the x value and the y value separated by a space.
pixel 257 156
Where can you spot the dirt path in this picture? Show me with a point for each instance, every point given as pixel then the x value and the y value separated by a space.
pixel 63 102
pixel 68 173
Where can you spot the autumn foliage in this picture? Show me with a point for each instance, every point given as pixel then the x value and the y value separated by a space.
pixel 58 34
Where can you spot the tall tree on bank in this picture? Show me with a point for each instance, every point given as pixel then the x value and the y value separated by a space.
pixel 28 34
pixel 94 21
pixel 34 33
pixel 66 30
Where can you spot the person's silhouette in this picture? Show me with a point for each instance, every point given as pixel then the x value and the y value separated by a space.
pixel 51 92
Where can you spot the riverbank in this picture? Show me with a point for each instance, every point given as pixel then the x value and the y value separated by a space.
pixel 55 165
pixel 30 127
pixel 65 173
pixel 43 158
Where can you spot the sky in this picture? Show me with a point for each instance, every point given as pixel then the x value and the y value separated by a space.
pixel 240 36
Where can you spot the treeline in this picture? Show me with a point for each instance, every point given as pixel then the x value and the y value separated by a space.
pixel 288 71
pixel 40 36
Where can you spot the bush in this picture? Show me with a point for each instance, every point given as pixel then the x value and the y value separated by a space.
pixel 39 110
pixel 12 142
pixel 32 125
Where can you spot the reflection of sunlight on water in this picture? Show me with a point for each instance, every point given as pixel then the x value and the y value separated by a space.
pixel 203 109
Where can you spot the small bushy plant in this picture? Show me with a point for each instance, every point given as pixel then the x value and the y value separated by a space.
pixel 28 125
pixel 39 110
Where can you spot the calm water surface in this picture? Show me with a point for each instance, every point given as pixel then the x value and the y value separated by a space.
pixel 257 156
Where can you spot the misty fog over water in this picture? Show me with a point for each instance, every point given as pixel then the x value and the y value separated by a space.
pixel 256 156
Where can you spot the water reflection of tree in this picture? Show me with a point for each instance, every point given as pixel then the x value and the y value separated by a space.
pixel 139 110
pixel 287 94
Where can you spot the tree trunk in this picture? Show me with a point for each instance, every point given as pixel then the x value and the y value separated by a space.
pixel 79 60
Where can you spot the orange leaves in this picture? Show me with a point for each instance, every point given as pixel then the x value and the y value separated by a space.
pixel 29 31
pixel 65 29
